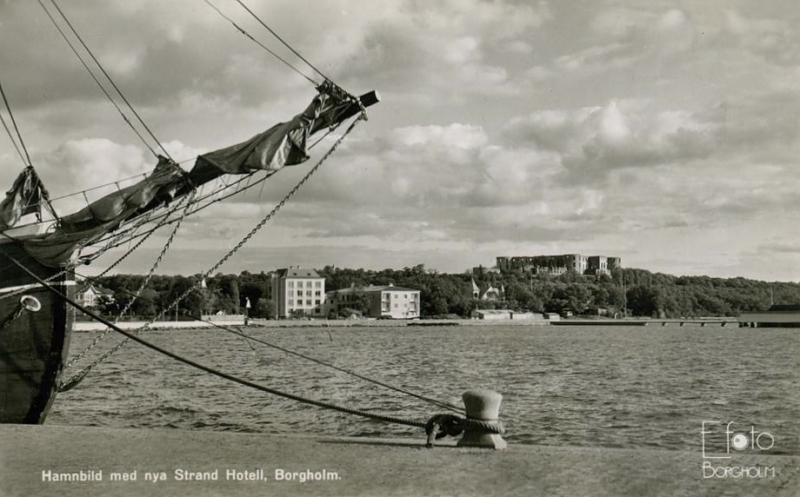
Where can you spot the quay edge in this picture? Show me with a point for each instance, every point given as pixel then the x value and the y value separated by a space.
pixel 364 466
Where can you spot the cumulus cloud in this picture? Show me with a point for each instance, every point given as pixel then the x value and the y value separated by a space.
pixel 594 141
pixel 505 126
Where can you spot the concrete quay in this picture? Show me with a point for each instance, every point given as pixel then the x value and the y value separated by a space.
pixel 142 462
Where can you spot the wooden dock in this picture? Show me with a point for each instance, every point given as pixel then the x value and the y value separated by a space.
pixel 155 463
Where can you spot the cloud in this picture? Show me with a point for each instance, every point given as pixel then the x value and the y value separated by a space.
pixel 594 141
pixel 505 126
pixel 776 40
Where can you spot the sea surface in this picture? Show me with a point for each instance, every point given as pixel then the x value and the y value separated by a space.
pixel 634 387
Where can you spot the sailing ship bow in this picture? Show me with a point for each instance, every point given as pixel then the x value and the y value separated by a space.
pixel 284 144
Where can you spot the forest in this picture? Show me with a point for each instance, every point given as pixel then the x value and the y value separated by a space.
pixel 627 291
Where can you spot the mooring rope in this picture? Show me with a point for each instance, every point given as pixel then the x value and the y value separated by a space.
pixel 248 338
pixel 496 427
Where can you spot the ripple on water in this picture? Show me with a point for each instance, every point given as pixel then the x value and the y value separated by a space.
pixel 608 387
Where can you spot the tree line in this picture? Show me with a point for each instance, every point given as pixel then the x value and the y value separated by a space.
pixel 635 292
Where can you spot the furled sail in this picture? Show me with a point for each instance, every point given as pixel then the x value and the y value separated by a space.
pixel 284 144
pixel 24 198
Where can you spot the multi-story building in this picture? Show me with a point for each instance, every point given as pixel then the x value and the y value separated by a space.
pixel 295 290
pixel 559 264
pixel 385 301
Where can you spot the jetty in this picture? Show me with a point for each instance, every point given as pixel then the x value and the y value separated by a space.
pixel 647 322
pixel 158 462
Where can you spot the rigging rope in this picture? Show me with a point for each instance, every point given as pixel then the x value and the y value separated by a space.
pixel 241 30
pixel 276 35
pixel 97 81
pixel 42 190
pixel 11 137
pixel 16 128
pixel 236 248
pixel 108 77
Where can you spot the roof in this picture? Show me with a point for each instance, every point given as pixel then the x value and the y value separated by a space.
pixel 297 272
pixel 785 307
pixel 375 288
pixel 99 290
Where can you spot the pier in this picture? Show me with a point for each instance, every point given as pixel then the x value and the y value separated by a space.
pixel 647 322
pixel 137 462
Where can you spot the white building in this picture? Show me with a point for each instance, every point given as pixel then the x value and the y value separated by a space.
pixel 296 290
pixel 385 301
pixel 92 295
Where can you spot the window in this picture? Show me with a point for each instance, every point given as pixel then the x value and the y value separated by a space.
pixel 308 293
pixel 299 293
pixel 291 284
pixel 291 302
pixel 318 284
pixel 299 284
pixel 317 302
pixel 317 293
pixel 308 303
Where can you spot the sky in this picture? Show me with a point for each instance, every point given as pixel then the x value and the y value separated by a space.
pixel 664 133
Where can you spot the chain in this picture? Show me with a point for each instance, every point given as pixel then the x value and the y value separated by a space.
pixel 13 317
pixel 74 380
pixel 77 378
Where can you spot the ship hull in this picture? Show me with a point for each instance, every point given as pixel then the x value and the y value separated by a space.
pixel 33 345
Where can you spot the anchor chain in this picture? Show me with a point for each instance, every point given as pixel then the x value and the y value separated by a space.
pixel 13 317
pixel 26 303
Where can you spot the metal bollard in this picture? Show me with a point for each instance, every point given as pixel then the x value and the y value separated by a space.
pixel 482 405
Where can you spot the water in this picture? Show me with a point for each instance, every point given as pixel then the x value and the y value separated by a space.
pixel 635 387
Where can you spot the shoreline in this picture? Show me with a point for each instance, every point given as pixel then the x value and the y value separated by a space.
pixel 89 326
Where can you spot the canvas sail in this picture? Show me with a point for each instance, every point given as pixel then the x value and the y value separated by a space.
pixel 24 197
pixel 284 144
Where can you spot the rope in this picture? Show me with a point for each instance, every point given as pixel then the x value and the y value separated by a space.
pixel 282 40
pixel 450 423
pixel 11 137
pixel 165 216
pixel 102 69
pixel 213 371
pixel 248 338
pixel 115 240
pixel 106 270
pixel 97 81
pixel 16 128
pixel 429 400
pixel 230 253
pixel 241 30
pixel 78 377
